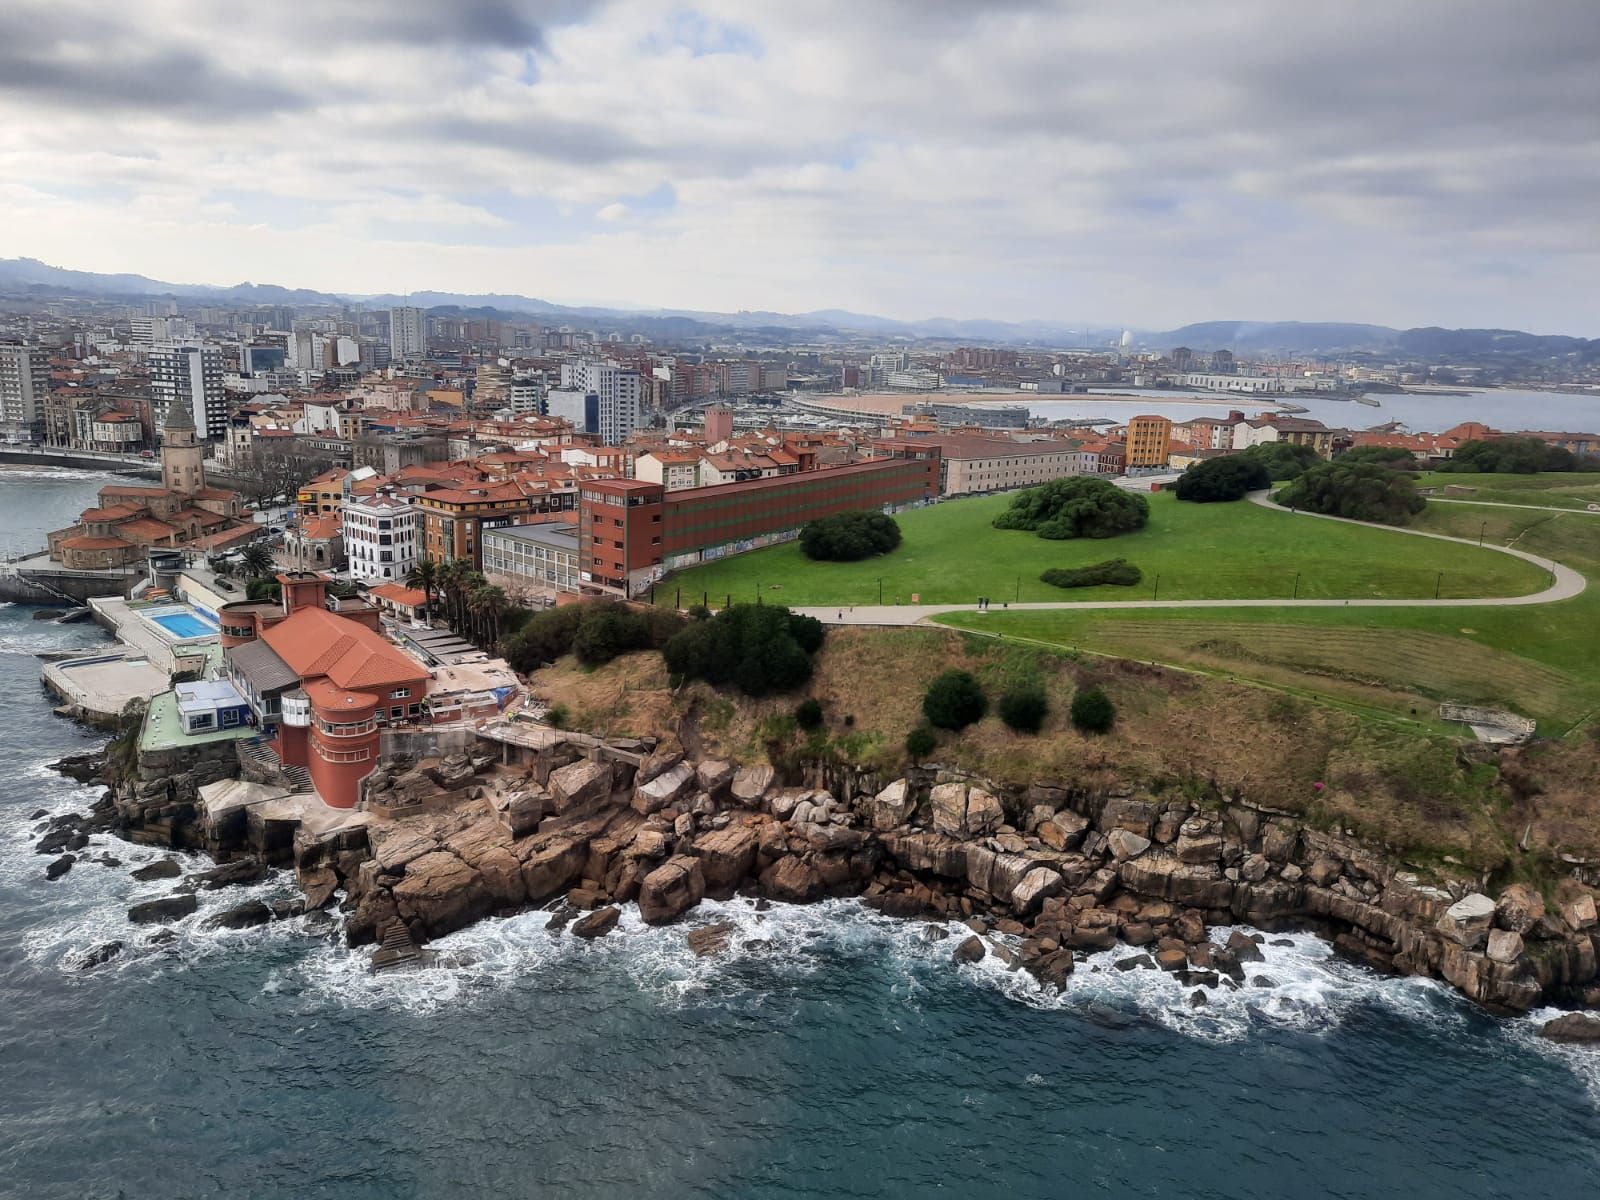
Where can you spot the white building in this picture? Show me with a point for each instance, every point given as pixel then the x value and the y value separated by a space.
pixel 619 390
pixel 408 333
pixel 193 372
pixel 24 384
pixel 382 537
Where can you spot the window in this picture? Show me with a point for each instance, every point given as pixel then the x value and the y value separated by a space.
pixel 400 693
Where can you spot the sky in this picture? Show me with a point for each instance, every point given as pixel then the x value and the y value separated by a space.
pixel 1132 162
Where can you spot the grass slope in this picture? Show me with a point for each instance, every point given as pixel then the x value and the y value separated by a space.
pixel 1544 661
pixel 951 555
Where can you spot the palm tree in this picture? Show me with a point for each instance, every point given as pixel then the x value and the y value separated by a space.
pixel 257 559
pixel 425 575
pixel 449 575
pixel 488 601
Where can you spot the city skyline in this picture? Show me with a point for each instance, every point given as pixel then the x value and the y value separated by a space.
pixel 1153 165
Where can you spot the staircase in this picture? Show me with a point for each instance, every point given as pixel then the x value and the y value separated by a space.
pixel 260 762
pixel 397 951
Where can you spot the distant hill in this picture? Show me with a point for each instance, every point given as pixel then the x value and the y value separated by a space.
pixel 28 277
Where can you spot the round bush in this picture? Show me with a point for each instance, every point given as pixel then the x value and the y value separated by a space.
pixel 954 700
pixel 1118 571
pixel 1226 478
pixel 1078 506
pixel 1024 709
pixel 808 714
pixel 921 742
pixel 1092 711
pixel 849 536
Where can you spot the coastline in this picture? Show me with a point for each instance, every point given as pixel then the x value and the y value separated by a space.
pixel 1044 878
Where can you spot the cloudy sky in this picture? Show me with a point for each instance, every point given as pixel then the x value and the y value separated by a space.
pixel 1129 162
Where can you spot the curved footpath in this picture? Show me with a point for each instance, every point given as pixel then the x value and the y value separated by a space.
pixel 1566 583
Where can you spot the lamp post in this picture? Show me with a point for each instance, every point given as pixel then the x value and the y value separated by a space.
pixel 1156 595
pixel 880 591
pixel 1437 584
pixel 1296 595
pixel 1482 529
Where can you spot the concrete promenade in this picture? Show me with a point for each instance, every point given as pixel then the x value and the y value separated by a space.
pixel 1565 584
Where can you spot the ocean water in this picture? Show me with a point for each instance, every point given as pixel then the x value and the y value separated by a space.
pixel 832 1052
pixel 1503 408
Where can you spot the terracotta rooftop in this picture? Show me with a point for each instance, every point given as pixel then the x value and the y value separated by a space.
pixel 315 642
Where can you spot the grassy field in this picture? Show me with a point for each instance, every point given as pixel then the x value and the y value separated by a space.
pixel 1557 490
pixel 1543 662
pixel 951 555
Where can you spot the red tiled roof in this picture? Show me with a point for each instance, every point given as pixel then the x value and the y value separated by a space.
pixel 315 642
pixel 399 593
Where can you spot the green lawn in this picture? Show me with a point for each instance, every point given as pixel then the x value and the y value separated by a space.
pixel 951 555
pixel 1556 490
pixel 1543 661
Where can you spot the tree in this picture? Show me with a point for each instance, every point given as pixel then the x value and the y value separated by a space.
pixel 1358 491
pixel 1283 460
pixel 758 648
pixel 487 602
pixel 596 631
pixel 1092 711
pixel 849 536
pixel 808 714
pixel 1226 478
pixel 921 742
pixel 1393 457
pixel 1511 456
pixel 425 577
pixel 954 700
pixel 257 560
pixel 1024 708
pixel 1076 507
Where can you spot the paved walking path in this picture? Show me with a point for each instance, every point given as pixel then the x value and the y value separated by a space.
pixel 1582 512
pixel 1566 583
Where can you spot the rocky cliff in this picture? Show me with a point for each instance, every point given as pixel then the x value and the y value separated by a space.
pixel 1063 871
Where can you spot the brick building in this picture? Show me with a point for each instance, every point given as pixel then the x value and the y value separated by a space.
pixel 631 532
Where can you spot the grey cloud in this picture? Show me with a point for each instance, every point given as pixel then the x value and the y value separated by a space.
pixel 134 68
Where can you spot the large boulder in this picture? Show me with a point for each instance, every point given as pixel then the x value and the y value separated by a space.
pixel 791 879
pixel 553 867
pixel 1124 812
pixel 166 868
pixel 1468 920
pixel 1160 876
pixel 984 814
pixel 671 890
pixel 442 894
pixel 1064 831
pixel 949 804
pixel 241 916
pixel 318 884
pixel 750 784
pixel 661 791
pixel 1575 1028
pixel 1125 845
pixel 1519 908
pixel 714 777
pixel 394 848
pixel 892 806
pixel 1037 886
pixel 521 811
pixel 654 764
pixel 167 908
pixel 580 786
pixel 1579 912
pixel 1198 848
pixel 1504 946
pixel 932 852
pixel 726 856
pixel 598 923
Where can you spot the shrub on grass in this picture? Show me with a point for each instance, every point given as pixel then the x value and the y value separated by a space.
pixel 921 742
pixel 1222 479
pixel 954 700
pixel 597 632
pixel 758 648
pixel 808 714
pixel 1114 570
pixel 1076 507
pixel 1396 458
pixel 849 536
pixel 1024 709
pixel 1283 460
pixel 1512 456
pixel 1092 711
pixel 1359 491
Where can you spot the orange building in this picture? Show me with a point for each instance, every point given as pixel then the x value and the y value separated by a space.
pixel 322 684
pixel 1149 442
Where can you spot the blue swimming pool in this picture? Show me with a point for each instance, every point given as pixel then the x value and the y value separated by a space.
pixel 183 625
